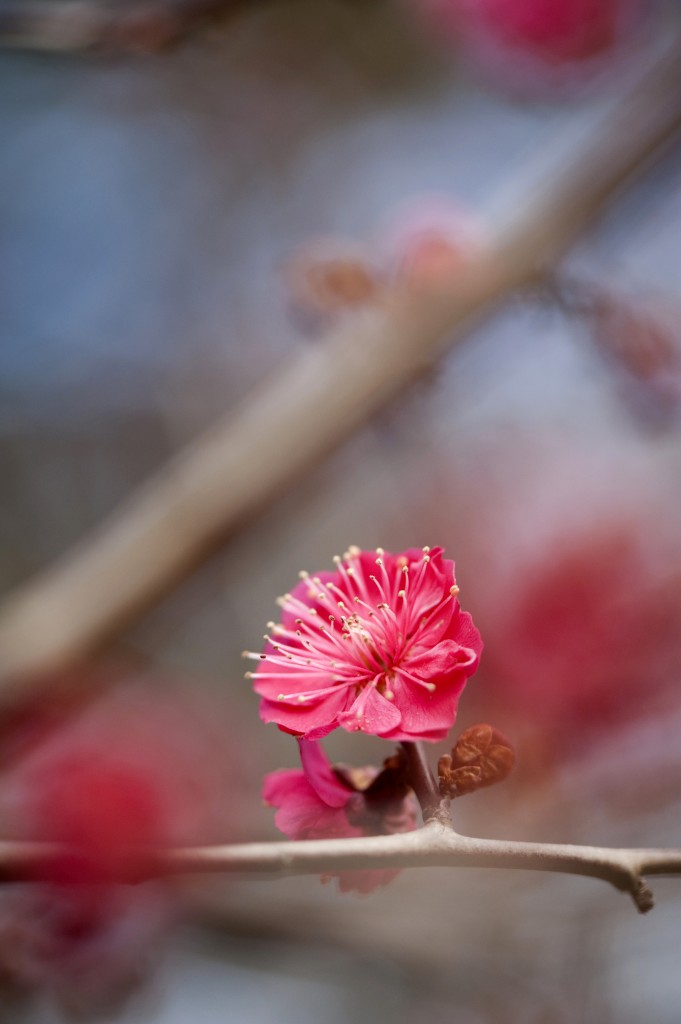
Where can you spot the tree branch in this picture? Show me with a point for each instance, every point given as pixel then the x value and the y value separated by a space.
pixel 315 401
pixel 85 25
pixel 434 845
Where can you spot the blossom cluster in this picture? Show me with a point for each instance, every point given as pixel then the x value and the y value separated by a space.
pixel 379 646
pixel 422 248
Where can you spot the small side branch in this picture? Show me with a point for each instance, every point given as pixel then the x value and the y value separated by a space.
pixel 424 785
pixel 434 845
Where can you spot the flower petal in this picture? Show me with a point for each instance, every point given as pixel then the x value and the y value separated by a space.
pixel 441 661
pixel 427 716
pixel 321 776
pixel 463 630
pixel 304 719
pixel 301 814
pixel 371 712
pixel 365 882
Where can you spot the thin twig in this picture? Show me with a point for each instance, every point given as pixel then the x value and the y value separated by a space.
pixel 424 785
pixel 434 845
pixel 315 401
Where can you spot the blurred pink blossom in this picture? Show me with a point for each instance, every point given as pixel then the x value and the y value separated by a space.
pixel 142 768
pixel 640 338
pixel 430 240
pixel 577 585
pixel 525 38
pixel 423 247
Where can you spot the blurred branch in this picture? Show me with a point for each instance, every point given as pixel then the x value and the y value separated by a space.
pixel 316 400
pixel 79 25
pixel 435 846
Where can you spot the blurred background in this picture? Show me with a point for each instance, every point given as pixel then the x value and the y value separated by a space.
pixel 175 223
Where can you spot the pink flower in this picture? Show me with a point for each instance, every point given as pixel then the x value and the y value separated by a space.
pixel 430 242
pixel 538 42
pixel 572 30
pixel 320 803
pixel 142 767
pixel 379 646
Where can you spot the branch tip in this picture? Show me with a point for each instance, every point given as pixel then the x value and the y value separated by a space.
pixel 642 895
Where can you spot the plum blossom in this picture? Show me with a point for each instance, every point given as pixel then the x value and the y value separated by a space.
pixel 320 802
pixel 430 240
pixel 538 42
pixel 141 768
pixel 572 30
pixel 424 245
pixel 379 646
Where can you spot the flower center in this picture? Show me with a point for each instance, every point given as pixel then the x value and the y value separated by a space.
pixel 366 649
pixel 353 631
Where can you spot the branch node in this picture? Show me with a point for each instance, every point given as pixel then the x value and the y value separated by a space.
pixel 642 895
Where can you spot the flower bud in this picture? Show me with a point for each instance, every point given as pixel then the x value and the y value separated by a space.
pixel 482 756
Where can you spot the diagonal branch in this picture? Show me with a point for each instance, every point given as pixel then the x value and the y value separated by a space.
pixel 434 845
pixel 86 25
pixel 315 402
